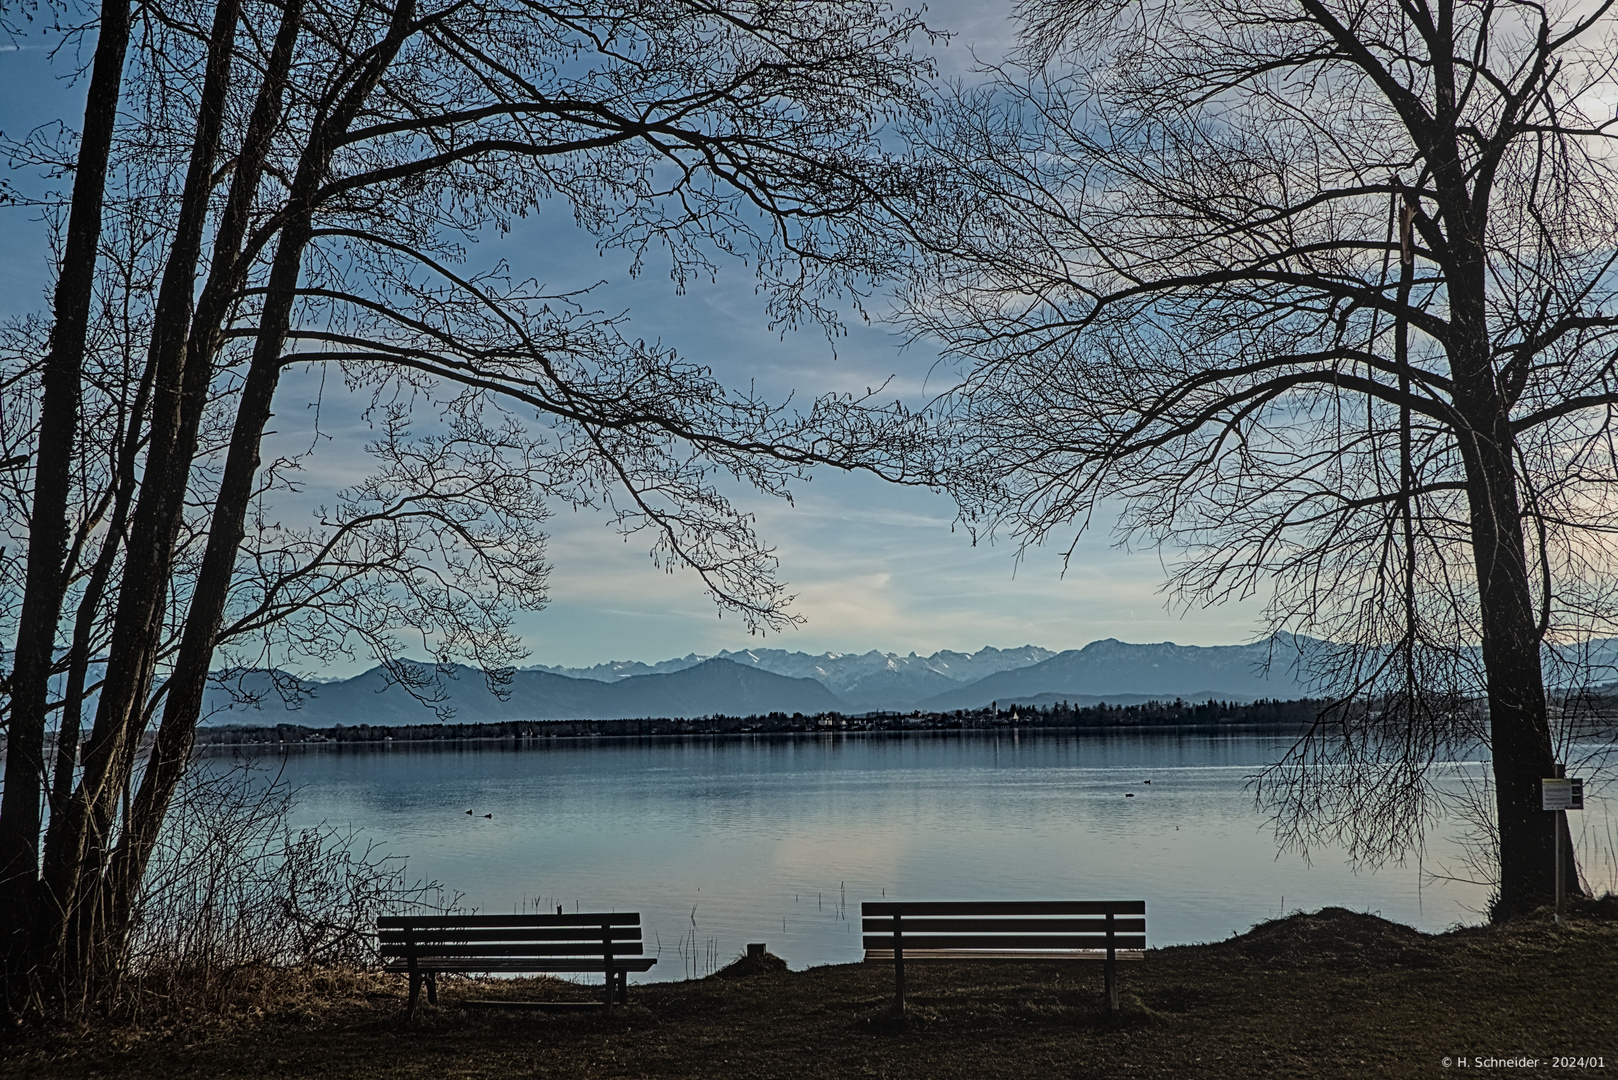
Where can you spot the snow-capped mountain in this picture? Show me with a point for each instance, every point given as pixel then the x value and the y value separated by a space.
pixel 863 681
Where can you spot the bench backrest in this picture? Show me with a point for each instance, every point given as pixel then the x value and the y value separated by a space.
pixel 1056 925
pixel 513 937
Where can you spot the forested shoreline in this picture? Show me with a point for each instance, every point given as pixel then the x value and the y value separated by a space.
pixel 1178 713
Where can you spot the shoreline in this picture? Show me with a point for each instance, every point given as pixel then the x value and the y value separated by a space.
pixel 536 741
pixel 1211 716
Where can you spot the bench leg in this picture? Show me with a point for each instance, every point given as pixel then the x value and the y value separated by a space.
pixel 432 988
pixel 623 988
pixel 415 992
pixel 899 979
pixel 1112 987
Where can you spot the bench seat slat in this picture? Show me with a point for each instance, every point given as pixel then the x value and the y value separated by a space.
pixel 1003 907
pixel 464 963
pixel 1005 941
pixel 619 948
pixel 964 955
pixel 926 924
pixel 515 933
pixel 428 922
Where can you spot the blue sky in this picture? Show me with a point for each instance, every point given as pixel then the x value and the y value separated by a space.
pixel 873 567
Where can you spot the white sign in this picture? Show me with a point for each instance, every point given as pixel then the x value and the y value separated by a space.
pixel 1560 794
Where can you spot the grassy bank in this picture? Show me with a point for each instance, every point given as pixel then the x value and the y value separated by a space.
pixel 1329 994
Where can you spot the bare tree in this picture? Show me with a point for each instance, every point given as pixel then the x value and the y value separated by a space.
pixel 307 175
pixel 49 527
pixel 1323 294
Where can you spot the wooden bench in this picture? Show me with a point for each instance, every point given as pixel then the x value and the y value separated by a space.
pixel 422 946
pixel 1067 931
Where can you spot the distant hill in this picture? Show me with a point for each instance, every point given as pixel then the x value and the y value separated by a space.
pixel 710 687
pixel 1110 668
pixel 717 686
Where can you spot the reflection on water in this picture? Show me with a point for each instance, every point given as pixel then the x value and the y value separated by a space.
pixel 719 842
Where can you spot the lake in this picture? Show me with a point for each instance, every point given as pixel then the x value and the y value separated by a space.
pixel 724 841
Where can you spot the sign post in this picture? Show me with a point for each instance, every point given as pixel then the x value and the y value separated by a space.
pixel 1555 823
pixel 1559 794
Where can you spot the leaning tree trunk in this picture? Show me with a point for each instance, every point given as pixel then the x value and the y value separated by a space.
pixel 77 843
pixel 45 586
pixel 171 747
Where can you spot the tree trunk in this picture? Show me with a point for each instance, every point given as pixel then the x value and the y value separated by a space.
pixel 45 588
pixel 67 738
pixel 76 845
pixel 1519 732
pixel 171 748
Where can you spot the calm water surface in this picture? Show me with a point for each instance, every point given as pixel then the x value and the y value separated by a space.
pixel 719 842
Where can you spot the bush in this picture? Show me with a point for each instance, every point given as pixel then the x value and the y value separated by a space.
pixel 232 888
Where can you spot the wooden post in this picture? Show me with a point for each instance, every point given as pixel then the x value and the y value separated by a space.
pixel 899 963
pixel 1557 820
pixel 1112 967
pixel 606 958
pixel 415 973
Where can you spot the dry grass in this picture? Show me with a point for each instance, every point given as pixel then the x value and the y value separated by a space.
pixel 1329 994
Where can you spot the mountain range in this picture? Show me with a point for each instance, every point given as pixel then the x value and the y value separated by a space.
pixel 863 681
pixel 775 680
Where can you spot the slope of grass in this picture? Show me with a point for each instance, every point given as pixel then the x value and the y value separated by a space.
pixel 1333 993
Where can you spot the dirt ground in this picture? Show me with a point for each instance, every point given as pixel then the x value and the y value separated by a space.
pixel 1334 993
